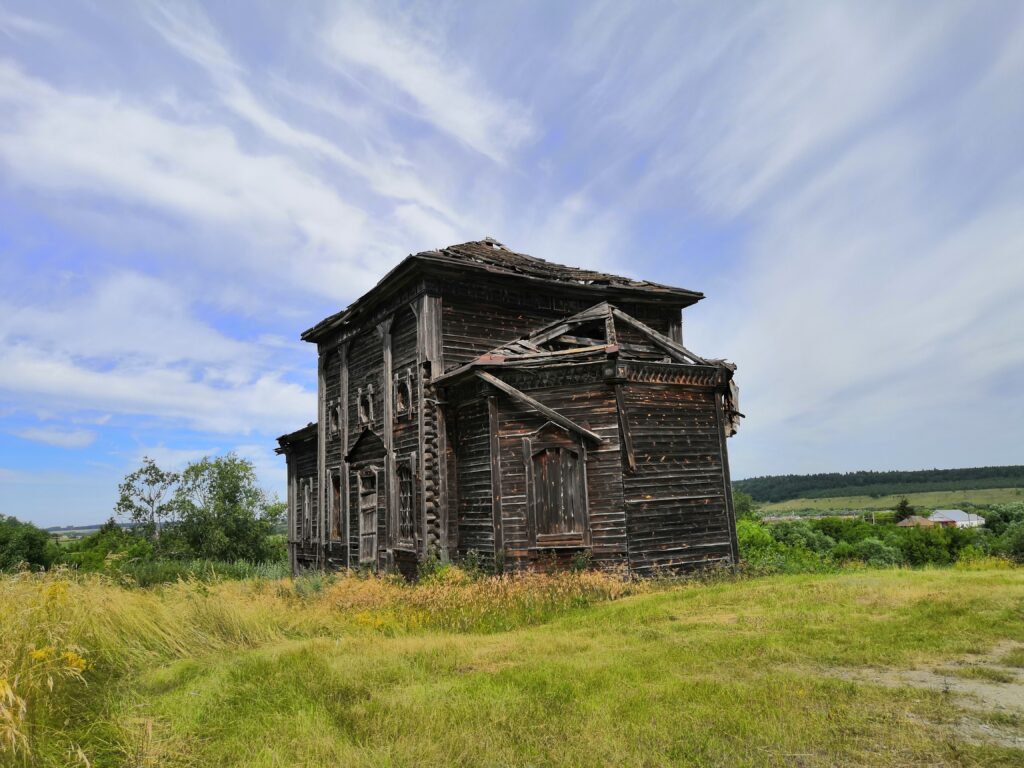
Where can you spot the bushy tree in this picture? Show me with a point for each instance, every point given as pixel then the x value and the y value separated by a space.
pixel 110 544
pixel 903 510
pixel 147 498
pixel 22 543
pixel 743 504
pixel 223 514
pixel 1002 516
pixel 877 553
pixel 1011 543
pixel 800 533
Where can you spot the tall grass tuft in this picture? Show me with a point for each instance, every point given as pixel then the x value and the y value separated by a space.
pixel 69 638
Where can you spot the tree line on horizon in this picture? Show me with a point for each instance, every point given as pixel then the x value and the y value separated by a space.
pixel 775 488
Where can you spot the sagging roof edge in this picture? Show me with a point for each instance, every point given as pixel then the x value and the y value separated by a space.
pixel 300 435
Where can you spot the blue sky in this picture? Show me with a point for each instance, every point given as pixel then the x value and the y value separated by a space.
pixel 184 188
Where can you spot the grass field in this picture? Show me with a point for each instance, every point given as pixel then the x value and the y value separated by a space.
pixel 578 670
pixel 928 501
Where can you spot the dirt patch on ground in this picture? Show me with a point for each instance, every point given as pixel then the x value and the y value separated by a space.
pixel 987 711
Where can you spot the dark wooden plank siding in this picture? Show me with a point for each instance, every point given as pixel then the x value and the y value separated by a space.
pixel 677 514
pixel 403 361
pixel 365 368
pixel 591 405
pixel 303 458
pixel 473 475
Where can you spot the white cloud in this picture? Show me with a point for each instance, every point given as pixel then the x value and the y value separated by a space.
pixel 103 145
pixel 77 438
pixel 13 26
pixel 436 85
pixel 187 29
pixel 125 316
pixel 261 402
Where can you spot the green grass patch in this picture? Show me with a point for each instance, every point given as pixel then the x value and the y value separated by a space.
pixel 985 674
pixel 927 500
pixel 735 673
pixel 1014 658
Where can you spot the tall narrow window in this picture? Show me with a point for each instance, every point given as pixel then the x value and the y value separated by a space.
pixel 334 418
pixel 403 393
pixel 336 518
pixel 307 511
pixel 367 516
pixel 406 507
pixel 365 405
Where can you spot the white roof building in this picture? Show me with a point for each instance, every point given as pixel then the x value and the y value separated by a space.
pixel 957 517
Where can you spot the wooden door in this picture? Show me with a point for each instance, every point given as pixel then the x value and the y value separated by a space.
pixel 368 491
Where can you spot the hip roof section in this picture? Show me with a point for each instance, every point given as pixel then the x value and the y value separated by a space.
pixel 491 257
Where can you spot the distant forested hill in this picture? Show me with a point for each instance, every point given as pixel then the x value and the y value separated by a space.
pixel 773 488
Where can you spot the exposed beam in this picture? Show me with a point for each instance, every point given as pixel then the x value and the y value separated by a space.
pixel 677 352
pixel 538 406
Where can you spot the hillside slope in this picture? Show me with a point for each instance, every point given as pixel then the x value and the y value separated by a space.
pixel 774 488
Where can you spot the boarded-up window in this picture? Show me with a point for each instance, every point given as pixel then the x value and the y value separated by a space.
pixel 368 490
pixel 557 491
pixel 406 527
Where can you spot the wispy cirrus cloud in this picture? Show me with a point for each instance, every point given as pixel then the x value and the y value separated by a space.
pixel 77 438
pixel 423 76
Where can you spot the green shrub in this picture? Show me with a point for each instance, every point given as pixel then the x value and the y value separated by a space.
pixel 1012 542
pixel 24 544
pixel 876 553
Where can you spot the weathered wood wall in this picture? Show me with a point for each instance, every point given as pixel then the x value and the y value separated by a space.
pixel 584 397
pixel 678 507
pixel 302 460
pixel 473 479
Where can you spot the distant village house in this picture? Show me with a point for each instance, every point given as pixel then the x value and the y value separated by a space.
pixel 537 415
pixel 956 518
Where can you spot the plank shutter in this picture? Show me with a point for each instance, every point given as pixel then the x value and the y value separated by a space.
pixel 368 490
pixel 557 494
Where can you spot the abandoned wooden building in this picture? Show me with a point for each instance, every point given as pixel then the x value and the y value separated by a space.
pixel 482 400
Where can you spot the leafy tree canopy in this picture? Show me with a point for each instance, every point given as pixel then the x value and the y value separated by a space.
pixel 24 544
pixel 222 513
pixel 147 498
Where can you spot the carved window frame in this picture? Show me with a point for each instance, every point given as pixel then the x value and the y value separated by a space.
pixel 406 487
pixel 402 393
pixel 368 541
pixel 552 437
pixel 364 405
pixel 333 419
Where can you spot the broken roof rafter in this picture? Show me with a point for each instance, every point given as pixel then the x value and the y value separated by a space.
pixel 536 405
pixel 527 351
